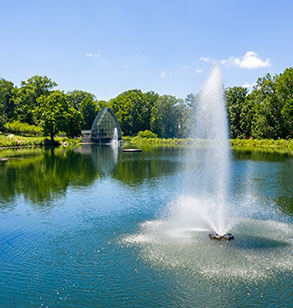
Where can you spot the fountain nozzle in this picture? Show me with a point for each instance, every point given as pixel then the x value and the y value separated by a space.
pixel 225 237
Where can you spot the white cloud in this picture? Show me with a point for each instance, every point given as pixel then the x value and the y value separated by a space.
pixel 163 75
pixel 207 59
pixel 248 85
pixel 93 55
pixel 198 70
pixel 250 60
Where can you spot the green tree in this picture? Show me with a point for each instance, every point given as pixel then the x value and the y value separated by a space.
pixel 268 121
pixel 284 88
pixel 7 108
pixel 25 97
pixel 166 116
pixel 3 118
pixel 88 109
pixel 100 106
pixel 130 108
pixel 236 102
pixel 77 96
pixel 151 99
pixel 55 114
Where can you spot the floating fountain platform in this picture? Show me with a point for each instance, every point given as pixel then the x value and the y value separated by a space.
pixel 225 237
pixel 132 150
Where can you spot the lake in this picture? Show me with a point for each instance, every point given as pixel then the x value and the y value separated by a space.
pixel 87 227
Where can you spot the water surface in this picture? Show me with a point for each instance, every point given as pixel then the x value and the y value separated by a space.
pixel 85 227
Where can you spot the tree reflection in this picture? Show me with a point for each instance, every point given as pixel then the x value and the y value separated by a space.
pixel 44 175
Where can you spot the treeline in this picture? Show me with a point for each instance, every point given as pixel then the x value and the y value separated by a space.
pixel 266 112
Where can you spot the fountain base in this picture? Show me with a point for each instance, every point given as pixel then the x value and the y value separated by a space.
pixel 225 237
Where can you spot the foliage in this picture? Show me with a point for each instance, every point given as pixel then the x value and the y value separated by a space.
pixel 266 112
pixel 130 109
pixel 20 141
pixel 17 127
pixel 167 117
pixel 156 141
pixel 265 145
pixel 88 109
pixel 54 114
pixel 3 117
pixel 76 97
pixel 236 107
pixel 100 106
pixel 25 97
pixel 6 102
pixel 147 134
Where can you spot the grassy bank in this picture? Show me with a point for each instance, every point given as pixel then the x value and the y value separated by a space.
pixel 156 141
pixel 280 144
pixel 20 141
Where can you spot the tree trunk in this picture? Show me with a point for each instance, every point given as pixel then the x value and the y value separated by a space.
pixel 52 137
pixel 52 133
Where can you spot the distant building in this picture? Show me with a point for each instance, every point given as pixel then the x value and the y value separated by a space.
pixel 86 134
pixel 105 126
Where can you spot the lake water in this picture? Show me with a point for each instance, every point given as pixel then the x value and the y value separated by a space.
pixel 79 228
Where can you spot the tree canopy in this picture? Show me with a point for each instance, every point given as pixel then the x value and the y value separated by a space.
pixel 265 112
pixel 54 114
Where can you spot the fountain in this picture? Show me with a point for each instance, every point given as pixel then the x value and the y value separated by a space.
pixel 212 203
pixel 115 141
pixel 210 128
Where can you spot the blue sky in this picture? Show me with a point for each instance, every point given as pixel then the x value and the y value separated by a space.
pixel 107 47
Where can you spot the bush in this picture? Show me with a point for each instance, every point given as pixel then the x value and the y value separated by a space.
pixel 147 134
pixel 17 127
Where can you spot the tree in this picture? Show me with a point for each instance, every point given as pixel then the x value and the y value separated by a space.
pixel 7 108
pixel 268 121
pixel 25 97
pixel 236 101
pixel 77 96
pixel 88 110
pixel 55 114
pixel 3 118
pixel 130 108
pixel 100 106
pixel 166 116
pixel 284 88
pixel 151 99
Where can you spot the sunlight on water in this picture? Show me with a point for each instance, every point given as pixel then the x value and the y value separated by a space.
pixel 261 249
pixel 179 237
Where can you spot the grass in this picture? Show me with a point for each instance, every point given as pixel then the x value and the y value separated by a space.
pixel 20 141
pixel 263 144
pixel 156 141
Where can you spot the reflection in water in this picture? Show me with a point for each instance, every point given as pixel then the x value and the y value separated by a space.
pixel 46 175
pixel 73 254
pixel 43 175
pixel 266 175
pixel 104 157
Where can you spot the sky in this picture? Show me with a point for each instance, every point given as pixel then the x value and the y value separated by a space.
pixel 167 46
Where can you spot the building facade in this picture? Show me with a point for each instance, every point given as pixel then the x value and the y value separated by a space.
pixel 105 127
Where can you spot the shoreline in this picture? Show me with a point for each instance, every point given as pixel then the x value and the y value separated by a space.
pixel 18 142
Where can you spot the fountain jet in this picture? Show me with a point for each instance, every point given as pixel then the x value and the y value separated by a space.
pixel 225 237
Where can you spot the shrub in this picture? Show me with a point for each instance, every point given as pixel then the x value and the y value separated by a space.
pixel 147 134
pixel 18 127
